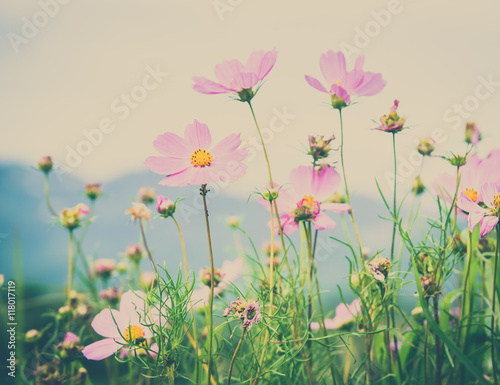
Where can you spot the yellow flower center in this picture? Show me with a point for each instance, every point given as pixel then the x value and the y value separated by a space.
pixel 133 332
pixel 472 194
pixel 201 158
pixel 308 201
pixel 496 201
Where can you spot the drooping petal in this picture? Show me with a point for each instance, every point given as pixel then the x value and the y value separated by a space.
pixel 172 145
pixel 166 165
pixel 464 203
pixel 313 82
pixel 323 221
pixel 332 66
pixel 109 323
pixel 206 86
pixel 197 135
pixel 101 349
pixel 487 224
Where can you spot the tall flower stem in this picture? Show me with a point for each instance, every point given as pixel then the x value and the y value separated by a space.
pixel 195 332
pixel 348 197
pixel 394 207
pixel 70 266
pixel 465 311
pixel 203 192
pixel 234 356
pixel 47 194
pixel 143 235
pixel 495 274
pixel 438 344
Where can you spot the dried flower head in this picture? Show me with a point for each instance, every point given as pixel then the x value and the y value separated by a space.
pixel 248 312
pixel 319 148
pixel 379 267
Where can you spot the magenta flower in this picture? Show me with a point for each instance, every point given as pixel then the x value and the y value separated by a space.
pixel 104 267
pixel 345 315
pixel 393 122
pixel 121 327
pixel 165 206
pixel 305 199
pixel 190 160
pixel 343 84
pixel 486 217
pixel 233 76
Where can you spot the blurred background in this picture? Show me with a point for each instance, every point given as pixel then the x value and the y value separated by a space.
pixel 69 67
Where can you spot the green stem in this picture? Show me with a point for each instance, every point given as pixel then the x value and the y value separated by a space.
pixel 70 271
pixel 438 344
pixel 234 356
pixel 143 235
pixel 495 274
pixel 47 195
pixel 203 192
pixel 394 208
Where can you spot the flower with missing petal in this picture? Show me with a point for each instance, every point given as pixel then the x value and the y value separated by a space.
pixel 393 122
pixel 192 160
pixel 233 76
pixel 342 84
pixel 71 218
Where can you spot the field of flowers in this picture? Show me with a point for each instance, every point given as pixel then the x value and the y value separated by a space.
pixel 184 327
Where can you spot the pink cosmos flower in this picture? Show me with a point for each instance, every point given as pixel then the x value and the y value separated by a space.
pixel 104 267
pixel 121 327
pixel 472 134
pixel 190 160
pixel 233 76
pixel 486 217
pixel 342 83
pixel 392 122
pixel 474 174
pixel 165 206
pixel 305 199
pixel 344 316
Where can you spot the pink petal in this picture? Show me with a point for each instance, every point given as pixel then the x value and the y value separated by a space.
pixel 226 172
pixel 360 61
pixel 341 93
pixel 372 84
pixel 488 192
pixel 315 325
pixel 332 66
pixel 287 223
pixel 323 221
pixel 206 86
pixel 244 81
pixel 325 183
pixel 227 71
pixel 229 144
pixel 197 135
pixel 182 178
pixel 487 224
pixel 352 80
pixel 313 82
pixel 267 63
pixel 109 323
pixel 340 208
pixel 172 145
pixel 101 349
pixel 466 204
pixel 133 307
pixel 166 165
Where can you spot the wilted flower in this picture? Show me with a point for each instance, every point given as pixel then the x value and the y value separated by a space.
pixel 429 286
pixel 426 147
pixel 93 191
pixel 379 267
pixel 249 312
pixel 138 210
pixel 306 198
pixel 134 252
pixel 71 218
pixel 343 84
pixel 418 186
pixel 164 206
pixel 121 327
pixel 45 164
pixel 393 122
pixel 319 148
pixel 233 76
pixel 104 267
pixel 110 295
pixel 345 315
pixel 472 134
pixel 190 160
pixel 486 217
pixel 146 195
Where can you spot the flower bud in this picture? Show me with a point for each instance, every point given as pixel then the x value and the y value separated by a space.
pixel 270 194
pixel 276 249
pixel 134 252
pixel 457 244
pixel 456 160
pixel 122 266
pixel 32 335
pixel 205 277
pixel 426 147
pixel 146 195
pixel 65 312
pixel 111 295
pixel 485 245
pixel 104 267
pixel 472 134
pixel 45 164
pixel 418 186
pixel 164 206
pixel 418 314
pixel 337 198
pixel 338 103
pixel 93 191
pixel 233 221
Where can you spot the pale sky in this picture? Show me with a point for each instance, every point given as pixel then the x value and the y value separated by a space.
pixel 69 73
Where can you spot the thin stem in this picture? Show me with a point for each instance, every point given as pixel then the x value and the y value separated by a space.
pixel 438 344
pixel 495 273
pixel 70 266
pixel 203 192
pixel 394 207
pixel 143 235
pixel 195 333
pixel 47 195
pixel 234 356
pixel 387 337
pixel 348 197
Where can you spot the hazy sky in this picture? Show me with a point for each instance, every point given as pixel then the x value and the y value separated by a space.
pixel 67 64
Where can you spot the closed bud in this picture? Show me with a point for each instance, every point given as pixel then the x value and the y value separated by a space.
pixel 270 195
pixel 426 147
pixel 134 252
pixel 45 164
pixel 93 191
pixel 418 186
pixel 32 335
pixel 472 134
pixel 165 206
pixel 338 103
